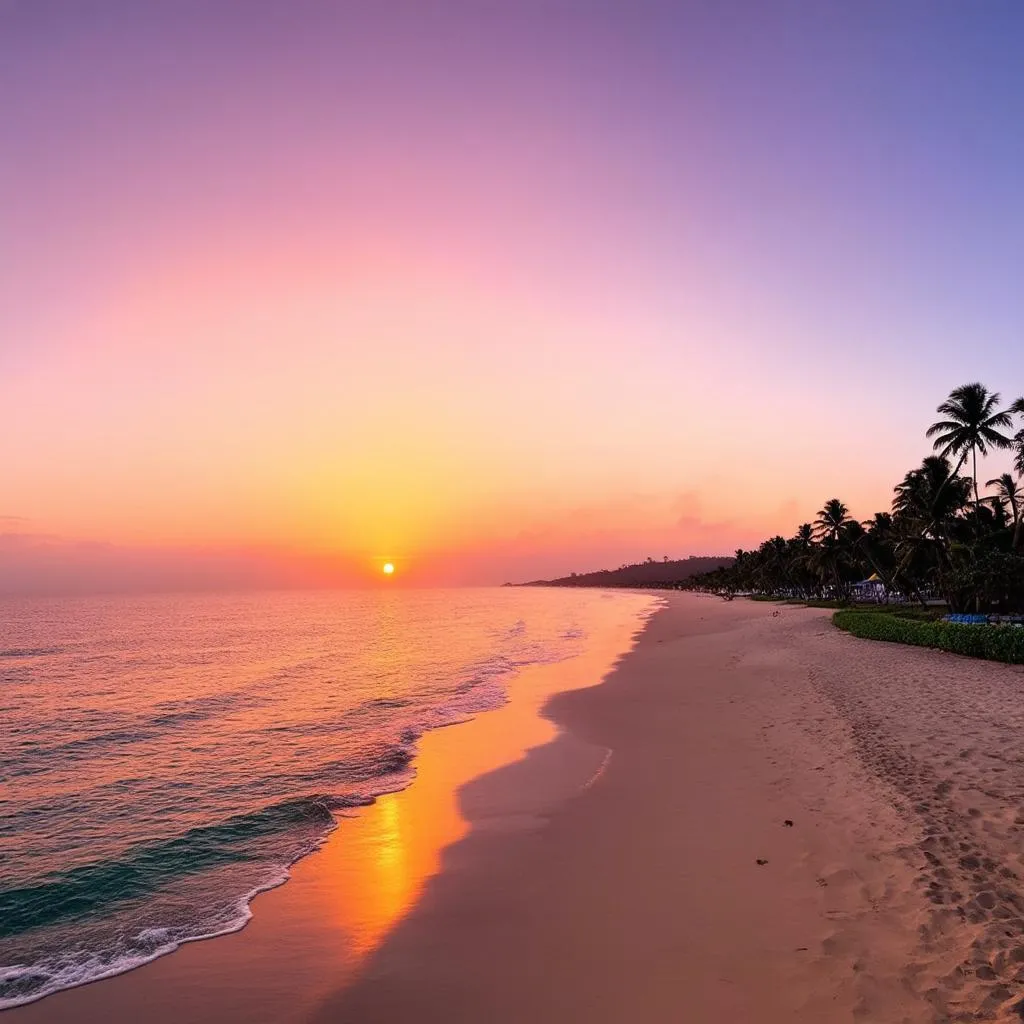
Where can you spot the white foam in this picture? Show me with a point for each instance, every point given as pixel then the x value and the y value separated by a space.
pixel 71 972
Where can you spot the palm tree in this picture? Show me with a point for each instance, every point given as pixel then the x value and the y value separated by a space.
pixel 930 496
pixel 1009 491
pixel 1018 439
pixel 801 555
pixel 877 544
pixel 973 424
pixel 833 516
pixel 879 525
pixel 832 555
pixel 940 538
pixel 924 508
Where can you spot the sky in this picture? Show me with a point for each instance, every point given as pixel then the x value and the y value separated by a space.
pixel 489 290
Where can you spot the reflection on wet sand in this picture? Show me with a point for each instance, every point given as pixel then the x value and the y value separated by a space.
pixel 378 868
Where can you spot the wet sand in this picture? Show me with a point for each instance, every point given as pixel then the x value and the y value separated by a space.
pixel 792 825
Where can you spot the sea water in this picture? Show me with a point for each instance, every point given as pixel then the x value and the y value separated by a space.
pixel 163 759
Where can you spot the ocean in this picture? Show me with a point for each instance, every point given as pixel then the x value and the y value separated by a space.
pixel 166 758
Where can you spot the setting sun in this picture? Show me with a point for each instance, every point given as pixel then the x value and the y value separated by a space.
pixel 388 568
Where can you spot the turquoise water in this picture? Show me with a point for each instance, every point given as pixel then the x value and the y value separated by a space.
pixel 166 758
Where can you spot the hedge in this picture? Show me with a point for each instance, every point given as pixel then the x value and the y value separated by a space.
pixel 995 643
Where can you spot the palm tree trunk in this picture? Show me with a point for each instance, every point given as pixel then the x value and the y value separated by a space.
pixel 942 486
pixel 974 457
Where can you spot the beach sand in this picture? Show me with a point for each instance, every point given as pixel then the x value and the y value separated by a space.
pixel 791 825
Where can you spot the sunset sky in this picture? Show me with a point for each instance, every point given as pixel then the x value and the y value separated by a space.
pixel 489 290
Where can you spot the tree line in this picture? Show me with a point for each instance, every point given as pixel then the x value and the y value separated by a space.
pixel 941 538
pixel 650 573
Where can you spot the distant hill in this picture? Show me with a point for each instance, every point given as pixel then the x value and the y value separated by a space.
pixel 643 574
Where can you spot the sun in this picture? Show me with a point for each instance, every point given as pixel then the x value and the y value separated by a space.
pixel 388 568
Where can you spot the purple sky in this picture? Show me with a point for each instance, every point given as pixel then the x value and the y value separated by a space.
pixel 488 289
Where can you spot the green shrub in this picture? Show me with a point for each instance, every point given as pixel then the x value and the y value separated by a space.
pixel 995 643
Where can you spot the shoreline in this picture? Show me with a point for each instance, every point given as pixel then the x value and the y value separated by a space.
pixel 758 848
pixel 645 897
pixel 753 816
pixel 309 933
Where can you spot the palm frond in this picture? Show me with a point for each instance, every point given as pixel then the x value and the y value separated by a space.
pixel 947 425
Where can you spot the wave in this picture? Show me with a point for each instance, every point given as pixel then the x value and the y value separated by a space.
pixel 91 888
pixel 29 652
pixel 21 984
pixel 38 758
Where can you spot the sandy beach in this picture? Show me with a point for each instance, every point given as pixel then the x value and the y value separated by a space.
pixel 754 817
pixel 674 889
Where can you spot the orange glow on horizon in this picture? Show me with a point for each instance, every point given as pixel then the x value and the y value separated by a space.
pixel 336 446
